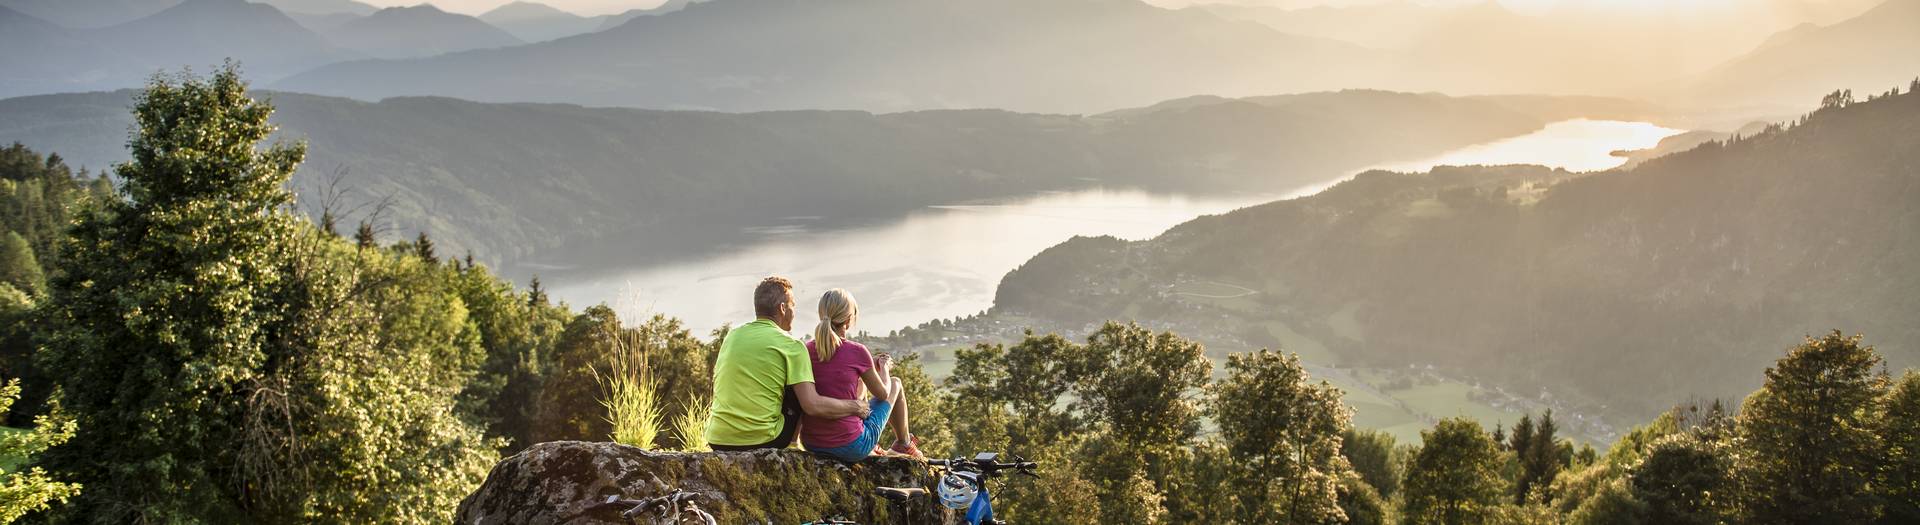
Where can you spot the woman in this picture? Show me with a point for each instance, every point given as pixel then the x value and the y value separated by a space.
pixel 841 368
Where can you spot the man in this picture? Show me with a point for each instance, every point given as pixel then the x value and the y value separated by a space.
pixel 763 378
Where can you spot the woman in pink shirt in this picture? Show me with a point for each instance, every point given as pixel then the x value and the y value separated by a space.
pixel 841 368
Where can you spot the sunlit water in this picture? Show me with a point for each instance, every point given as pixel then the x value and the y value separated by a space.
pixel 1577 145
pixel 946 261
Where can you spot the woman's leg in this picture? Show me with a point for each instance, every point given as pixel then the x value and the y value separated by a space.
pixel 901 434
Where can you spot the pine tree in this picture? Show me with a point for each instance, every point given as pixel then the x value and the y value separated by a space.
pixel 1521 443
pixel 423 248
pixel 1541 463
pixel 364 237
pixel 536 295
pixel 161 309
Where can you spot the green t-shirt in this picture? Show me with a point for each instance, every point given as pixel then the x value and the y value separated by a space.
pixel 757 362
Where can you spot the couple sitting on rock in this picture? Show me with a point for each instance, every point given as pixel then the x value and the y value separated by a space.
pixel 768 386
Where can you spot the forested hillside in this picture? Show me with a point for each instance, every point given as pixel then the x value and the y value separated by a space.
pixel 205 339
pixel 525 183
pixel 1626 289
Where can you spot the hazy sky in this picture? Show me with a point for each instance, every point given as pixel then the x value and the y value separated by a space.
pixel 474 7
pixel 599 7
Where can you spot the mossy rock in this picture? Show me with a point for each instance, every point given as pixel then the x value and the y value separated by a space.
pixel 566 482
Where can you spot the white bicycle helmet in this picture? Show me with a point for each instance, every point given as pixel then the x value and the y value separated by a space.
pixel 957 491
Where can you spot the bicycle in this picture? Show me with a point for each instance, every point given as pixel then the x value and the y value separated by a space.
pixel 677 507
pixel 963 485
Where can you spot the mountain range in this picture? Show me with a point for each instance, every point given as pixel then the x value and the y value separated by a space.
pixel 542 185
pixel 1875 50
pixel 322 7
pixel 883 55
pixel 46 57
pixel 536 22
pixel 1565 49
pixel 1620 291
pixel 1071 56
pixel 88 14
pixel 418 31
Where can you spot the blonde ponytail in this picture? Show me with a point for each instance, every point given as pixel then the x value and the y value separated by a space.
pixel 838 312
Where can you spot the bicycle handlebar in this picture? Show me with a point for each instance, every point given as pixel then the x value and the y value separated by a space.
pixel 987 464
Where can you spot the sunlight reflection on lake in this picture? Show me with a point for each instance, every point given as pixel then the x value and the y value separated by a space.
pixel 946 261
pixel 1577 145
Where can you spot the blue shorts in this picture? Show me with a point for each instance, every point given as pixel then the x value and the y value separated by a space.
pixel 862 446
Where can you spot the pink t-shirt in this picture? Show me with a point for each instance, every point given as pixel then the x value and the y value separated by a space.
pixel 838 378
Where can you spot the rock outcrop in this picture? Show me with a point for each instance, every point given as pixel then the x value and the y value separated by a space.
pixel 567 482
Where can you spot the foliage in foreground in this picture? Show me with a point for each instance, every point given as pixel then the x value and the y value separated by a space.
pixel 209 341
pixel 30 489
pixel 261 369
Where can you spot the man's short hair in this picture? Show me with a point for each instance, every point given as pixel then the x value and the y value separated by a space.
pixel 770 294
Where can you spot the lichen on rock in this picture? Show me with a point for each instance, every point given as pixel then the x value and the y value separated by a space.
pixel 567 482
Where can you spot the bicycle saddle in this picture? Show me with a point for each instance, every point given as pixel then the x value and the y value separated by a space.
pixel 898 494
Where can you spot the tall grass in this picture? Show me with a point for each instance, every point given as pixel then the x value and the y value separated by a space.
pixel 692 424
pixel 630 394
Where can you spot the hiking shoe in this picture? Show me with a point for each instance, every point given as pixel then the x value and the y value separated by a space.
pixel 909 448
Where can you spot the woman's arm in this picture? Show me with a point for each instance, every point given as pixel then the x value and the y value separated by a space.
pixel 876 385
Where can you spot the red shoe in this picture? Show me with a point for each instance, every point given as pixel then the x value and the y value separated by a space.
pixel 909 448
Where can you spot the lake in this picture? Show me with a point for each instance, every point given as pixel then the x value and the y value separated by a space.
pixel 946 261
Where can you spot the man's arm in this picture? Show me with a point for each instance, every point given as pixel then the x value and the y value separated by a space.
pixel 817 405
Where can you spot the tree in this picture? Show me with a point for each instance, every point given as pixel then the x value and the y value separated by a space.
pixel 371 427
pixel 536 295
pixel 161 315
pixel 1613 505
pixel 1808 452
pixel 1900 431
pixel 19 267
pixel 211 343
pixel 1454 479
pixel 1360 503
pixel 1837 99
pixel 1285 430
pixel 364 236
pixel 1539 456
pixel 1138 390
pixel 1028 380
pixel 423 248
pixel 32 489
pixel 1371 452
pixel 1141 384
pixel 1683 481
pixel 519 339
pixel 1521 443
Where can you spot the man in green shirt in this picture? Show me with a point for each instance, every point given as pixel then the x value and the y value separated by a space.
pixel 763 378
